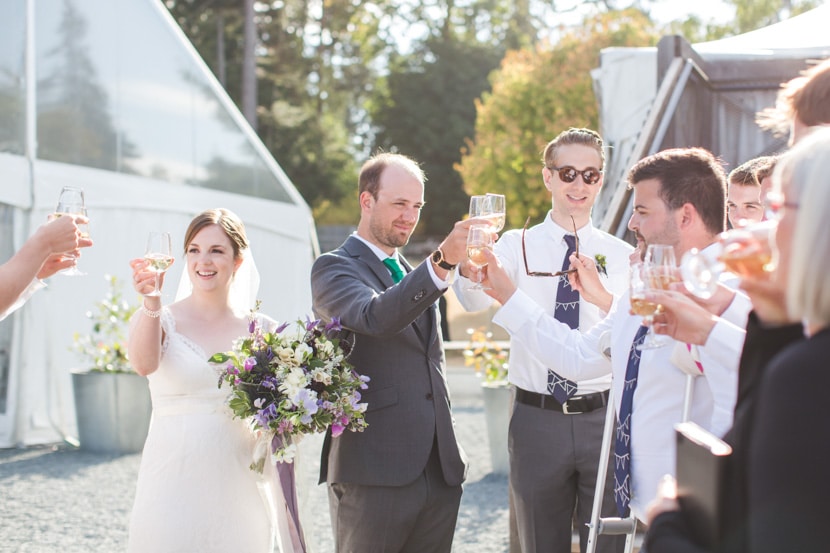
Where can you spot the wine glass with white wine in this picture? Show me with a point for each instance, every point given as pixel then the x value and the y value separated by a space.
pixel 657 272
pixel 495 211
pixel 71 203
pixel 479 238
pixel 159 256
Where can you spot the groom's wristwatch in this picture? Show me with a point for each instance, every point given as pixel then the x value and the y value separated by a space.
pixel 437 257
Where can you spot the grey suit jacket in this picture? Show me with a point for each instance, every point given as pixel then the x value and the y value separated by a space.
pixel 397 344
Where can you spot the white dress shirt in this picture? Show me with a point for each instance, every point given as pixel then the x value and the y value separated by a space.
pixel 546 248
pixel 658 399
pixel 30 290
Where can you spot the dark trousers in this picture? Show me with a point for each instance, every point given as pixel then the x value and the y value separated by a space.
pixel 553 471
pixel 417 518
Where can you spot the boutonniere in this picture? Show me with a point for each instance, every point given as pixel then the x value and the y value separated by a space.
pixel 600 260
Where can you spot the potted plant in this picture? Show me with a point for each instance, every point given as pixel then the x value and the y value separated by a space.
pixel 489 360
pixel 112 402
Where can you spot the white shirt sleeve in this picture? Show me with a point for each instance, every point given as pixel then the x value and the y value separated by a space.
pixel 569 352
pixel 30 290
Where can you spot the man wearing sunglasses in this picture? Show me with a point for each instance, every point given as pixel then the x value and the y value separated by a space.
pixel 556 426
pixel 679 200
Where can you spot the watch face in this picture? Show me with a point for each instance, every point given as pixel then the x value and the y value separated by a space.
pixel 437 256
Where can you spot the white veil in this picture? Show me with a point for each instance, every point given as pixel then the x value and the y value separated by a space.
pixel 244 286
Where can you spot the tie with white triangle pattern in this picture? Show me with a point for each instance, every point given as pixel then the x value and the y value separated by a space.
pixel 622 443
pixel 567 311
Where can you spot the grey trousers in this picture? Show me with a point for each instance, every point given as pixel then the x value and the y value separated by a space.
pixel 553 470
pixel 417 518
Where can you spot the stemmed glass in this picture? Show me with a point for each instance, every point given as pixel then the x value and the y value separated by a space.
pixel 159 256
pixel 479 238
pixel 71 203
pixel 491 207
pixel 746 251
pixel 657 272
pixel 478 205
pixel 495 206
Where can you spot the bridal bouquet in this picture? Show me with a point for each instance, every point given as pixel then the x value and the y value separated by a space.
pixel 292 381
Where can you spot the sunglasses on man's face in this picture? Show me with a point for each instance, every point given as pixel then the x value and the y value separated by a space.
pixel 567 174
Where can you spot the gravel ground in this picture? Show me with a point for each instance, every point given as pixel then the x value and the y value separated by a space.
pixel 58 498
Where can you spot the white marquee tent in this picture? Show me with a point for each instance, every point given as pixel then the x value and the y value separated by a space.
pixel 707 95
pixel 110 96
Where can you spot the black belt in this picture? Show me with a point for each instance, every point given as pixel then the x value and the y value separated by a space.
pixel 574 406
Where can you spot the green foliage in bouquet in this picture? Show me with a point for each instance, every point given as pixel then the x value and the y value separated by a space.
pixel 292 381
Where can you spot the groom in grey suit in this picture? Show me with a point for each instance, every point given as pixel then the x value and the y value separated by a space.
pixel 395 487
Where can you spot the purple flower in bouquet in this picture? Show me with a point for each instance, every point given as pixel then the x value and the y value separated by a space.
pixel 293 380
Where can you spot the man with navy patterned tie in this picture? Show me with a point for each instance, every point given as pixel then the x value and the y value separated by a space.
pixel 679 200
pixel 556 426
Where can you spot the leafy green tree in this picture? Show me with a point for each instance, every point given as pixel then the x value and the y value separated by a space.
pixel 427 113
pixel 536 93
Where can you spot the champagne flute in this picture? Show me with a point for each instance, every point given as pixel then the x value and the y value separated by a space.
pixel 478 205
pixel 495 206
pixel 658 272
pixel 746 251
pixel 159 256
pixel 638 285
pixel 479 238
pixel 71 203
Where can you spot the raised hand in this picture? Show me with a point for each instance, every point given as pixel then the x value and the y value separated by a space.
pixel 586 281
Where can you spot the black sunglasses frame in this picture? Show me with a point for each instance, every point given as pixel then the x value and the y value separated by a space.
pixel 543 274
pixel 568 173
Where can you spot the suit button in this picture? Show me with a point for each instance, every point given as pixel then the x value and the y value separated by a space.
pixel 429 396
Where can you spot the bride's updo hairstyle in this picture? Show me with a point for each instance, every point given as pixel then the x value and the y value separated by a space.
pixel 227 220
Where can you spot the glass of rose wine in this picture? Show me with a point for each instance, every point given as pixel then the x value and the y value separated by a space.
pixel 746 251
pixel 71 203
pixel 159 256
pixel 479 238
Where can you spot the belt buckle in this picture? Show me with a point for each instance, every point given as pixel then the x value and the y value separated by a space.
pixel 567 411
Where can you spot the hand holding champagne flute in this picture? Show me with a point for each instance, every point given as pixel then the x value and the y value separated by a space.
pixel 71 202
pixel 158 256
pixel 746 251
pixel 479 238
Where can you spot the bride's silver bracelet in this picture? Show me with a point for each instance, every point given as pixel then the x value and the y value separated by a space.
pixel 149 312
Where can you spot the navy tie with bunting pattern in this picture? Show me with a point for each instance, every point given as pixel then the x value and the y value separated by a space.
pixel 566 311
pixel 622 443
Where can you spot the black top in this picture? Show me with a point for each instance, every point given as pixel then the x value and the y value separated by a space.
pixel 669 533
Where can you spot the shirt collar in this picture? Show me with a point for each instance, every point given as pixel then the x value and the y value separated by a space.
pixel 375 250
pixel 557 233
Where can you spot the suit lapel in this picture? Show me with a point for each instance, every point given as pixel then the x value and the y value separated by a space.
pixel 422 326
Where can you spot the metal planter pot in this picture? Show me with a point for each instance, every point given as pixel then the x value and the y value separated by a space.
pixel 112 411
pixel 497 407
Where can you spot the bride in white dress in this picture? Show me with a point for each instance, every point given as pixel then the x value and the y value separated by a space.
pixel 195 490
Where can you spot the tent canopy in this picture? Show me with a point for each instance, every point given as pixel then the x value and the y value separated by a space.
pixel 705 95
pixel 111 97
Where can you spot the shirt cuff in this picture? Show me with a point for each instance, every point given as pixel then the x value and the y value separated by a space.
pixel 439 282
pixel 516 312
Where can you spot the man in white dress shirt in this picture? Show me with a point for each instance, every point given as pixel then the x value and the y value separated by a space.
pixel 555 446
pixel 679 200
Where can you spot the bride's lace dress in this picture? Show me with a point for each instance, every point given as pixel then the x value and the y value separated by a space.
pixel 195 492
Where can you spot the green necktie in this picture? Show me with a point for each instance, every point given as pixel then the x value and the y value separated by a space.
pixel 394 268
